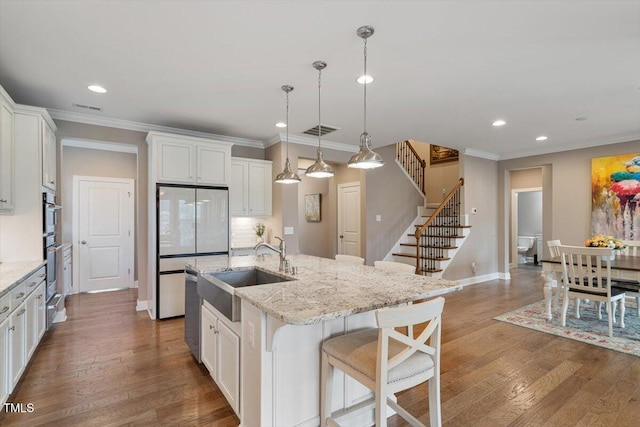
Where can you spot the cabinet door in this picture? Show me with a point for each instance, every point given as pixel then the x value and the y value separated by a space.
pixel 259 188
pixel 229 365
pixel 6 156
pixel 42 310
pixel 175 162
pixel 17 334
pixel 212 164
pixel 208 340
pixel 48 157
pixel 31 328
pixel 5 353
pixel 238 188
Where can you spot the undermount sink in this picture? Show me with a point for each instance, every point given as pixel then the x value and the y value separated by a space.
pixel 218 289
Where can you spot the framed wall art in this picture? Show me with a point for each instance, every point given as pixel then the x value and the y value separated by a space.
pixel 312 207
pixel 440 154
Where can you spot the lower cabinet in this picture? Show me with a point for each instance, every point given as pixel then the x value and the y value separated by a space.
pixel 220 347
pixel 4 360
pixel 17 338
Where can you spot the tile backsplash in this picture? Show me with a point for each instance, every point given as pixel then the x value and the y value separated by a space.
pixel 242 233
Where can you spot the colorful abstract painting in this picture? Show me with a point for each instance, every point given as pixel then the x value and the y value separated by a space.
pixel 615 196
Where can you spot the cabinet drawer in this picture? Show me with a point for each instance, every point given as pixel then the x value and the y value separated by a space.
pixel 34 280
pixel 5 307
pixel 18 294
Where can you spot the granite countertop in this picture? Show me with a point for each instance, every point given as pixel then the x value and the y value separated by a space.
pixel 324 288
pixel 12 273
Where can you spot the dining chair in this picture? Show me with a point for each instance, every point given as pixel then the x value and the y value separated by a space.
pixel 587 274
pixel 633 249
pixel 350 259
pixel 387 361
pixel 398 267
pixel 553 246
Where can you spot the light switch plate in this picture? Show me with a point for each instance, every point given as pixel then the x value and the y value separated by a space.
pixel 378 218
pixel 288 230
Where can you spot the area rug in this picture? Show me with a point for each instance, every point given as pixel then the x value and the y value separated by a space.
pixel 587 329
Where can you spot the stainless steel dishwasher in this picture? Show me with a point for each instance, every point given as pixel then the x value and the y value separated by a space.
pixel 192 303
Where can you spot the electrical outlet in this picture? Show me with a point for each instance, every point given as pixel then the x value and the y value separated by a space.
pixel 378 218
pixel 474 267
pixel 288 230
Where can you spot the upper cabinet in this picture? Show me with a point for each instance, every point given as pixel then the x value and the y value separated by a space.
pixel 6 153
pixel 250 187
pixel 188 160
pixel 48 156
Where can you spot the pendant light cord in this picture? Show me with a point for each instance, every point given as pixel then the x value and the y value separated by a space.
pixel 319 116
pixel 365 85
pixel 287 125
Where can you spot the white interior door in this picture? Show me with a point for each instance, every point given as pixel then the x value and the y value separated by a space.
pixel 103 233
pixel 349 219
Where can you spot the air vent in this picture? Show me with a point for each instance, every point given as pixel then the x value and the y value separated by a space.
pixel 87 107
pixel 325 130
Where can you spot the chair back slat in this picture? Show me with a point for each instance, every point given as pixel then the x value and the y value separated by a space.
pixel 633 247
pixel 553 247
pixel 587 269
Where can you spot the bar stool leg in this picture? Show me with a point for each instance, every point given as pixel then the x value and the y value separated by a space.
pixel 326 389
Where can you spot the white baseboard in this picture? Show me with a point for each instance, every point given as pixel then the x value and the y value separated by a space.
pixel 504 276
pixel 142 305
pixel 135 284
pixel 479 279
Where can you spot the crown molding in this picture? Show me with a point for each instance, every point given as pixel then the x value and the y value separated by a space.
pixel 311 142
pixel 481 154
pixel 146 127
pixel 630 137
pixel 99 145
pixel 38 111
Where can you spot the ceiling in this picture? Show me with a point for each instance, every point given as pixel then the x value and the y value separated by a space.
pixel 444 71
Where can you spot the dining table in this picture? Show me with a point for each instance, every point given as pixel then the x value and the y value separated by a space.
pixel 625 269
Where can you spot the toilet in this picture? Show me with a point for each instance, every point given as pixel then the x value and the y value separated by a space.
pixel 524 244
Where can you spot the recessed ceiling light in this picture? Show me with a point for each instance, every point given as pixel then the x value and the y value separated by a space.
pixel 281 125
pixel 542 138
pixel 97 89
pixel 499 123
pixel 364 80
pixel 580 119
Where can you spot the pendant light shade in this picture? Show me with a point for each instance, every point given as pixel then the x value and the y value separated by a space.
pixel 365 158
pixel 319 169
pixel 287 176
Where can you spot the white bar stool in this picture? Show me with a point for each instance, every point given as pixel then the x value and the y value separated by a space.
pixel 387 361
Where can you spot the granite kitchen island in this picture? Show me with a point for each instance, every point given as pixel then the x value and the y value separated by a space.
pixel 283 325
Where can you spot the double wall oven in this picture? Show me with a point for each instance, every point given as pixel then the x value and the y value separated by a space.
pixel 52 253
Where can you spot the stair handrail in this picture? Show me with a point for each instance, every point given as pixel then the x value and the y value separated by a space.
pixel 410 165
pixel 454 191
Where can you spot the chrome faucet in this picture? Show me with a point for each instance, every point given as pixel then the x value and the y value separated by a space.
pixel 281 249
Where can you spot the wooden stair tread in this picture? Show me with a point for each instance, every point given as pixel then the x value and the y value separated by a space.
pixel 413 256
pixel 429 246
pixel 444 237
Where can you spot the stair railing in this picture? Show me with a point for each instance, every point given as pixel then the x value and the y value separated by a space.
pixel 412 163
pixel 439 231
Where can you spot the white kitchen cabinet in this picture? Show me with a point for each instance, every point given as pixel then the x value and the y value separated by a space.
pixel 48 156
pixel 6 153
pixel 250 187
pixel 209 340
pixel 188 160
pixel 4 360
pixel 220 349
pixel 17 343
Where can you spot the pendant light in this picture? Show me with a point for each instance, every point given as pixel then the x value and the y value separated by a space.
pixel 365 158
pixel 319 169
pixel 286 176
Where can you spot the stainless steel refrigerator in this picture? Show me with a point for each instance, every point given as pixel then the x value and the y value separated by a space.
pixel 192 221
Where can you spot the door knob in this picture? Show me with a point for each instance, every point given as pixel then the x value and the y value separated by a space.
pixel 341 236
pixel 84 242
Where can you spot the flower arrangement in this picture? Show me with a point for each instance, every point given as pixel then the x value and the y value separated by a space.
pixel 259 229
pixel 604 241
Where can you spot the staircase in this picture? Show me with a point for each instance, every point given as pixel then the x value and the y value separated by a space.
pixel 438 231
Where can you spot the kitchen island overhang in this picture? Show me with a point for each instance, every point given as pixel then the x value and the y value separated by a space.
pixel 284 324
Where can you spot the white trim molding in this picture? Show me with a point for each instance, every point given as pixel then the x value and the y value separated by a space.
pixel 147 127
pixel 142 305
pixel 481 154
pixel 99 145
pixel 479 279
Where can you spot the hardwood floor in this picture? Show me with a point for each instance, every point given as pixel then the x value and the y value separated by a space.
pixel 110 366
